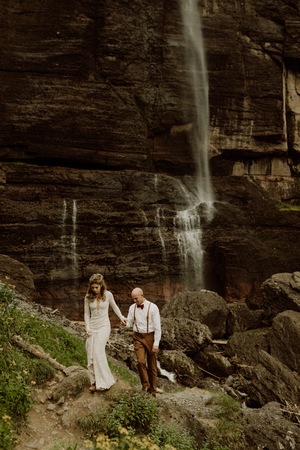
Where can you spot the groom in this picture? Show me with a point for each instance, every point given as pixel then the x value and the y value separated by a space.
pixel 144 318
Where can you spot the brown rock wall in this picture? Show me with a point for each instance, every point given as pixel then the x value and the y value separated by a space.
pixel 66 224
pixel 102 83
pixel 102 86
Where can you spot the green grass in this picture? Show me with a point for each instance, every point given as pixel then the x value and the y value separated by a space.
pixel 19 369
pixel 288 207
pixel 62 346
pixel 227 433
pixel 123 373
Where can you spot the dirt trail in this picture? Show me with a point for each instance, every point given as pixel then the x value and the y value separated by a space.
pixel 51 425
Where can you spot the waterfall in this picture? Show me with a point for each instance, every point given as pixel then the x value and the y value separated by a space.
pixel 189 237
pixel 74 237
pixel 197 72
pixel 188 222
pixel 159 219
pixel 63 227
pixel 169 375
pixel 68 238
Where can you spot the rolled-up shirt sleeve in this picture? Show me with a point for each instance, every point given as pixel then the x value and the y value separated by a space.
pixel 130 317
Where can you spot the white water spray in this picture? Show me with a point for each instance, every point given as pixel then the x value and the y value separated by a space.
pixel 197 72
pixel 165 373
pixel 189 237
pixel 63 226
pixel 160 218
pixel 74 237
pixel 187 222
pixel 68 238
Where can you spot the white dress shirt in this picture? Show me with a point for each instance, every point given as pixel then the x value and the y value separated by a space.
pixel 137 319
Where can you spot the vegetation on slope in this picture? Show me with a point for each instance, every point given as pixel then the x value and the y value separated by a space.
pixel 20 371
pixel 131 421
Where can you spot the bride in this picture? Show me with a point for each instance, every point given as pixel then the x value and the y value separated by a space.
pixel 97 324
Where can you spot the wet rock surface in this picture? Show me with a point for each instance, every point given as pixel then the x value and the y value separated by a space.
pixel 65 224
pixel 97 98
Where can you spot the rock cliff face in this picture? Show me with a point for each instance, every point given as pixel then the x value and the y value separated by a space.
pixel 66 224
pixel 97 83
pixel 96 103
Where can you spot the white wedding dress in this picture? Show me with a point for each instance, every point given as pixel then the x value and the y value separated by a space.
pixel 97 322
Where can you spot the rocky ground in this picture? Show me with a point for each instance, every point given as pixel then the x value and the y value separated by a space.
pixel 58 404
pixel 51 426
pixel 51 423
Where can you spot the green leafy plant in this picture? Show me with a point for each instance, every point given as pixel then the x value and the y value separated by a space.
pixel 41 371
pixel 172 435
pixel 228 406
pixel 16 395
pixel 133 411
pixel 15 398
pixel 67 349
pixel 137 415
pixel 91 424
pixel 6 309
pixel 7 430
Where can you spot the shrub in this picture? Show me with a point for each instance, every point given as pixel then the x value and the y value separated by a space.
pixel 134 411
pixel 6 431
pixel 174 436
pixel 15 395
pixel 136 414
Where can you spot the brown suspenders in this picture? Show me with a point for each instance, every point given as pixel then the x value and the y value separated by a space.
pixel 147 317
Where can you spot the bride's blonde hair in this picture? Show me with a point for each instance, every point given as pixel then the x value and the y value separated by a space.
pixel 97 278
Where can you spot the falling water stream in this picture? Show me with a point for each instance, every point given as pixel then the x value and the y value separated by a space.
pixel 188 221
pixel 74 237
pixel 198 78
pixel 69 238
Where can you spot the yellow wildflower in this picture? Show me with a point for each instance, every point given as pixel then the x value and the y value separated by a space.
pixel 6 418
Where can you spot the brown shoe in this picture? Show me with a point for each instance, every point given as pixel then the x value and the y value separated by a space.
pixel 152 393
pixel 92 388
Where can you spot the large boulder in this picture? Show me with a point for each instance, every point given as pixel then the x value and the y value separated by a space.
pixel 281 292
pixel 205 306
pixel 182 334
pixel 285 339
pixel 242 318
pixel 17 274
pixel 185 370
pixel 268 380
pixel 244 345
pixel 269 427
pixel 214 363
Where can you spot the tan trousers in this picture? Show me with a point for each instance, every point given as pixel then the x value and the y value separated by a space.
pixel 146 359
